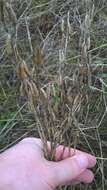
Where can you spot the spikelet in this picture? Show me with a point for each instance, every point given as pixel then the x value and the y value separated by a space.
pixel 35 92
pixel 8 45
pixel 62 26
pixel 22 71
pixel 26 87
pixel 43 93
pixel 21 90
pixel 29 89
pixel 38 58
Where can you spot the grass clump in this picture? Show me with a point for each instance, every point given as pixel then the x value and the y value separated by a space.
pixel 53 76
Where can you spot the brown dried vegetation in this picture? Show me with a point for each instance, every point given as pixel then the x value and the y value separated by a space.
pixel 57 71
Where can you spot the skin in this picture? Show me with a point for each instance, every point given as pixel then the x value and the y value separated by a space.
pixel 24 167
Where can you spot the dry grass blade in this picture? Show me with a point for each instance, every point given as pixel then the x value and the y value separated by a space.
pixel 57 50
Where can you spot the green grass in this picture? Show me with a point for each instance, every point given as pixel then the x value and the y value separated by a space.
pixel 72 103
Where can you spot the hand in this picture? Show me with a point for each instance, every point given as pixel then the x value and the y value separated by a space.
pixel 24 167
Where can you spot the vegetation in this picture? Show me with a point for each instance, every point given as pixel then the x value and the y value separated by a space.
pixel 53 76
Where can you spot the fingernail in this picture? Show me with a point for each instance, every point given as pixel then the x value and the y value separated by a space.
pixel 82 161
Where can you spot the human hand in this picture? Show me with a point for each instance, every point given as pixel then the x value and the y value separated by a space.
pixel 24 167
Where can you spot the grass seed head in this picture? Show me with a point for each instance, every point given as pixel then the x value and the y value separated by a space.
pixel 22 71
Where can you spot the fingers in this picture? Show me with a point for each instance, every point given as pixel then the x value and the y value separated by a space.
pixel 86 177
pixel 69 169
pixel 63 153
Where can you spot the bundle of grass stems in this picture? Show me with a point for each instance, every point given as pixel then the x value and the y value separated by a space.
pixel 53 77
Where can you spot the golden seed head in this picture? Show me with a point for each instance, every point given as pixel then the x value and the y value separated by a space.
pixel 28 88
pixel 22 71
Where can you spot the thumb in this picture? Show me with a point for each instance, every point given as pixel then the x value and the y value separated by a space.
pixel 66 170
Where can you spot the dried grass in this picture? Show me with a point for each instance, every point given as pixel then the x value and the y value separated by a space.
pixel 53 64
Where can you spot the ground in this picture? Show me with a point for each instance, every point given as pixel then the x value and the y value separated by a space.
pixel 53 76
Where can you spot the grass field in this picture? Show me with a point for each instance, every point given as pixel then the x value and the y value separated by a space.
pixel 53 77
